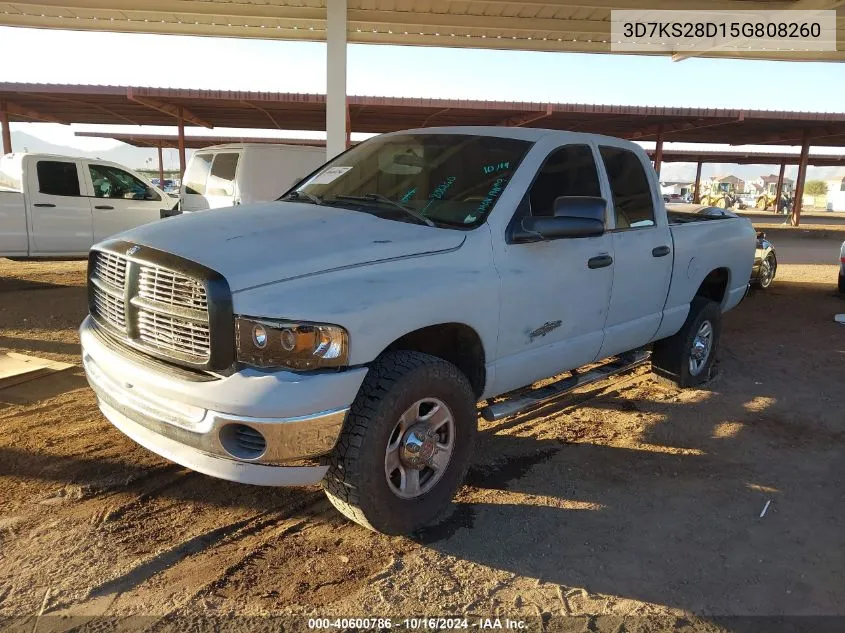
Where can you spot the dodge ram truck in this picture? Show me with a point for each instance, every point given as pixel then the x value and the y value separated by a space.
pixel 346 333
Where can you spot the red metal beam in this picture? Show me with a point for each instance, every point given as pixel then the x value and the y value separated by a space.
pixel 6 131
pixel 181 128
pixel 779 189
pixel 434 114
pixel 10 107
pixel 263 111
pixel 669 128
pixel 799 183
pixel 696 196
pixel 658 151
pixel 168 108
pixel 525 119
pixel 160 167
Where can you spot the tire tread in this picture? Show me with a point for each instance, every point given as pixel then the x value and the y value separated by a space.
pixel 378 386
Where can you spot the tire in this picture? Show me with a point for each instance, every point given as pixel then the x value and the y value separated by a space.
pixel 358 483
pixel 763 280
pixel 671 358
pixel 842 283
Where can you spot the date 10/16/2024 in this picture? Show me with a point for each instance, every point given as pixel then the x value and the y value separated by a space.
pixel 418 624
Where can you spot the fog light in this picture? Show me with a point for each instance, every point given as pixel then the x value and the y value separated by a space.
pixel 259 336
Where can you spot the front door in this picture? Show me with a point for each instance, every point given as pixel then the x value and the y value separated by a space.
pixel 642 247
pixel 121 201
pixel 555 293
pixel 60 215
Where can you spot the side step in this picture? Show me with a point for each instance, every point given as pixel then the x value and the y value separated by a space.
pixel 544 395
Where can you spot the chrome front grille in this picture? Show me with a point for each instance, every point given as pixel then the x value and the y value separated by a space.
pixel 174 334
pixel 165 286
pixel 167 311
pixel 111 269
pixel 110 308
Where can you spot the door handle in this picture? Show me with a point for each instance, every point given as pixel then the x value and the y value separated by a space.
pixel 103 206
pixel 660 251
pixel 44 204
pixel 599 261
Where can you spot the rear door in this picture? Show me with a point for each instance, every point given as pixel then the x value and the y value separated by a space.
pixel 642 253
pixel 121 201
pixel 60 212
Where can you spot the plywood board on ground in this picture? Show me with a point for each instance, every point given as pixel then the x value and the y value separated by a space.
pixel 17 368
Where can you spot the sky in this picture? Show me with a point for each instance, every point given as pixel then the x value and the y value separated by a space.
pixel 272 65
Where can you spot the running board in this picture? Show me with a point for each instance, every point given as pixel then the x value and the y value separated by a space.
pixel 544 395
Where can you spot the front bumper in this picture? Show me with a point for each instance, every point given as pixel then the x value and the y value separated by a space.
pixel 201 424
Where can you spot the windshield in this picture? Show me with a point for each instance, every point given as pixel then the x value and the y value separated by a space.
pixel 447 179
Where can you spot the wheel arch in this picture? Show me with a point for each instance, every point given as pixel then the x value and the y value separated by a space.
pixel 715 285
pixel 457 343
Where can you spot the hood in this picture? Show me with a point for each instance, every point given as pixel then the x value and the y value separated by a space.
pixel 252 245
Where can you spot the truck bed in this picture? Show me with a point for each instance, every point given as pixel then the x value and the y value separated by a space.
pixel 686 213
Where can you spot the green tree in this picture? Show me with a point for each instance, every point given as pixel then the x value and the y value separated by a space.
pixel 816 188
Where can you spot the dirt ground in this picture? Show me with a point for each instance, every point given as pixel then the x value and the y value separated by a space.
pixel 637 509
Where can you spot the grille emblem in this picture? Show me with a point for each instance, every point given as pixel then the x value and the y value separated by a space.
pixel 132 250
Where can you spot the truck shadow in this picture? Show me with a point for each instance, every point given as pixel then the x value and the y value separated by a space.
pixel 671 515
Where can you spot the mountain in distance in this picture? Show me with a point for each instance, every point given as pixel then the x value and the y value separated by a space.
pixel 123 154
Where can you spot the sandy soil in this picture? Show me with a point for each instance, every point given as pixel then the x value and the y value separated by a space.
pixel 640 504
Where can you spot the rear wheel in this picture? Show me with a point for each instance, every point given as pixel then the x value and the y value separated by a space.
pixel 406 444
pixel 687 357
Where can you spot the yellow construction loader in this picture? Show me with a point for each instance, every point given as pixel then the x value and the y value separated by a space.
pixel 768 199
pixel 718 194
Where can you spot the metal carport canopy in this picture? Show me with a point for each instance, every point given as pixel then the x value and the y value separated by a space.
pixel 539 25
pixel 171 141
pixel 121 105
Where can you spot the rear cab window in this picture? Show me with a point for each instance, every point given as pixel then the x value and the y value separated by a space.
pixel 633 204
pixel 58 178
pixel 197 175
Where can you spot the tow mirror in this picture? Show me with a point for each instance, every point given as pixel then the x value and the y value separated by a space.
pixel 574 216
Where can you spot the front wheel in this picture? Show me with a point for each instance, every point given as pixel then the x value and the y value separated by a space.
pixel 687 357
pixel 406 445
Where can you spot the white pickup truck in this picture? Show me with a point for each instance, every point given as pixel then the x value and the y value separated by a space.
pixel 345 333
pixel 58 206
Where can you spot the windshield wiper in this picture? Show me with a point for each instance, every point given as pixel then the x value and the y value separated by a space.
pixel 304 194
pixel 377 197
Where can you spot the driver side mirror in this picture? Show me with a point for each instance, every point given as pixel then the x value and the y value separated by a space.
pixel 574 216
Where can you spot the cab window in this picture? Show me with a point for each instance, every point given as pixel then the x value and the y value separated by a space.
pixel 632 199
pixel 111 182
pixel 568 171
pixel 57 178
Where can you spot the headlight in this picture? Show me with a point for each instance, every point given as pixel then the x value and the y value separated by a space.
pixel 290 344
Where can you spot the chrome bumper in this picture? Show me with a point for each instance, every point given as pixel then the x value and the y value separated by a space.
pixel 213 433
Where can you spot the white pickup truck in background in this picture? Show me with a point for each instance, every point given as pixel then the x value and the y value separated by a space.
pixel 360 319
pixel 59 206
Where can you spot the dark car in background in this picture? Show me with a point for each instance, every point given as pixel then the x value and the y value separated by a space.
pixel 765 259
